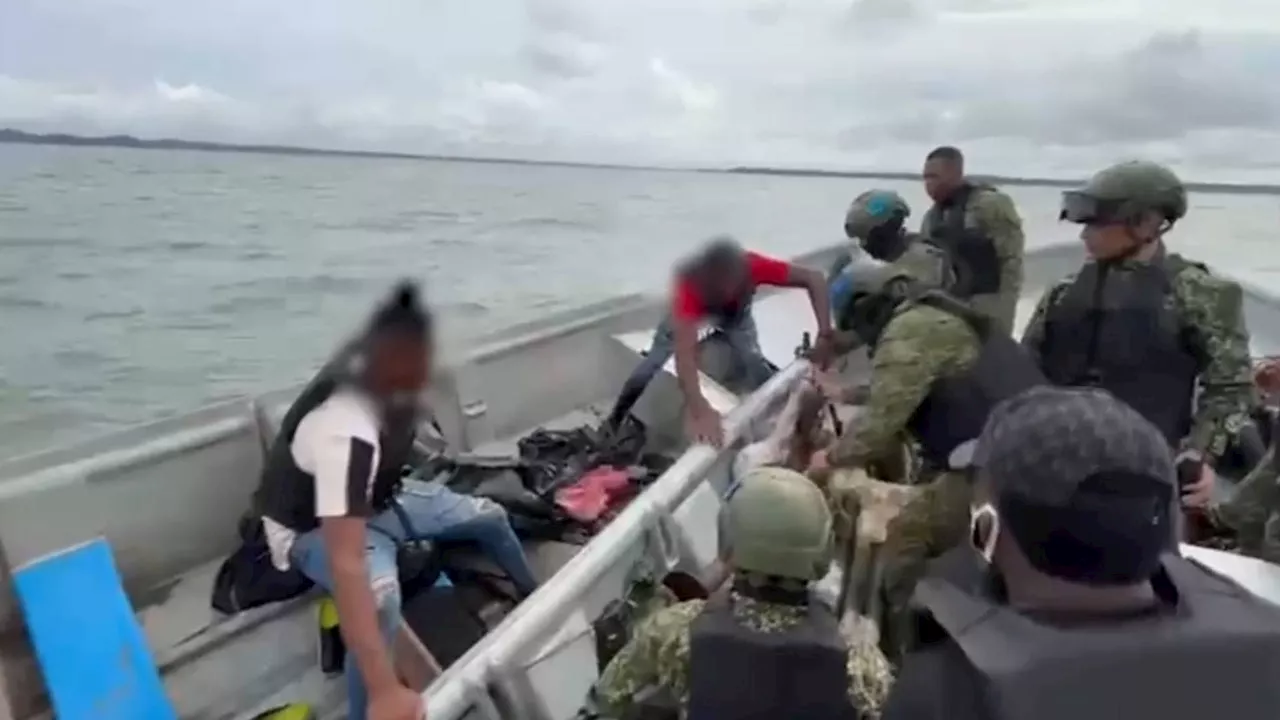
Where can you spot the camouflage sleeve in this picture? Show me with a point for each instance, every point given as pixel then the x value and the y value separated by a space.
pixel 918 346
pixel 870 675
pixel 1033 334
pixel 656 656
pixel 1253 502
pixel 1213 309
pixel 995 214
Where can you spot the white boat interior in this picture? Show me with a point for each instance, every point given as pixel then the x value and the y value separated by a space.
pixel 168 495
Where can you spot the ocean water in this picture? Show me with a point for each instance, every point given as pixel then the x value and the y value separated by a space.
pixel 138 284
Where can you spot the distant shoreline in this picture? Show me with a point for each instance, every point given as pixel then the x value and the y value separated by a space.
pixel 20 137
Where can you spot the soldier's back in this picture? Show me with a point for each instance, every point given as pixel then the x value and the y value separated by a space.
pixel 927 263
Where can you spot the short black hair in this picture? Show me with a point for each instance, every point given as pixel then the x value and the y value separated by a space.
pixel 402 313
pixel 946 152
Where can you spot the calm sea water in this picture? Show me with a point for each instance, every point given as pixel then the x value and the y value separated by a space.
pixel 138 284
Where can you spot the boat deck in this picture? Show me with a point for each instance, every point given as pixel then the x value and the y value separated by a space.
pixel 184 631
pixel 181 628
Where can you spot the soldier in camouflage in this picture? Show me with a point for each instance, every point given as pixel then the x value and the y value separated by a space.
pixel 710 659
pixel 1252 513
pixel 1148 325
pixel 938 367
pixel 875 222
pixel 981 230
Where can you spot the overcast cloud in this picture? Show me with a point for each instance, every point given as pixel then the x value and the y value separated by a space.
pixel 1025 86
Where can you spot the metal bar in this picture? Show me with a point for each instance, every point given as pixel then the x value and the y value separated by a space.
pixel 551 605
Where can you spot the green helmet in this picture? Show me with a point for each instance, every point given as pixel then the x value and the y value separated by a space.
pixel 877 288
pixel 778 524
pixel 872 209
pixel 1124 193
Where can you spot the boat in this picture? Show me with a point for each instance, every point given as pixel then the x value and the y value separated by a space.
pixel 167 497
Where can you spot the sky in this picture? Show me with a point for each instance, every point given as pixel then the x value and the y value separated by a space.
pixel 1032 87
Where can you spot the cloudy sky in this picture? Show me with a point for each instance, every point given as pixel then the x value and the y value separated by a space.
pixel 1041 87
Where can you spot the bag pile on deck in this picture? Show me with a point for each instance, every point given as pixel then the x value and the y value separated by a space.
pixel 565 484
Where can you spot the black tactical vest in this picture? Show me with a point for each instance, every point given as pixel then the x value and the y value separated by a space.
pixel 957 407
pixel 1215 652
pixel 973 255
pixel 1118 329
pixel 286 493
pixel 737 673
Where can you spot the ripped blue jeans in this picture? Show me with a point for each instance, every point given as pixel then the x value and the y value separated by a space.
pixel 435 513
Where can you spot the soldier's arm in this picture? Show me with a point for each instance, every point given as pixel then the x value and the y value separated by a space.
pixel 1033 335
pixel 1213 312
pixel 919 346
pixel 1255 497
pixel 870 674
pixel 656 656
pixel 995 214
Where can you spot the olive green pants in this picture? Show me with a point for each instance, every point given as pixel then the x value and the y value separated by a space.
pixel 933 522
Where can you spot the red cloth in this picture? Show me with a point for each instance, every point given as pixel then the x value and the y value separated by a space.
pixel 593 495
pixel 688 304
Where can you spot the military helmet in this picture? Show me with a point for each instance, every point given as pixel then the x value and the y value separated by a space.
pixel 1124 192
pixel 872 209
pixel 779 525
pixel 878 279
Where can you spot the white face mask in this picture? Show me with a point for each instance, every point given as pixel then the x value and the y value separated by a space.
pixel 981 519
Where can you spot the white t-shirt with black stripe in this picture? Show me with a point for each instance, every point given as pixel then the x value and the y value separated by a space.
pixel 337 444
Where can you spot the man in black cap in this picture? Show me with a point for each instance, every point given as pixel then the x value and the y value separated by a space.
pixel 1072 601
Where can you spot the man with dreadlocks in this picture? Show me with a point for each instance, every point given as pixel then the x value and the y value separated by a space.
pixel 1148 325
pixel 763 648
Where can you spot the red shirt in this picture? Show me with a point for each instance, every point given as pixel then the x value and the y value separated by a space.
pixel 688 304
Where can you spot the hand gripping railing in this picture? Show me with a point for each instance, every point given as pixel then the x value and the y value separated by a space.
pixel 550 607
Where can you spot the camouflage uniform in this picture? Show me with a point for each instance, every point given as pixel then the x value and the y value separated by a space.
pixel 777 529
pixel 993 214
pixel 658 656
pixel 1211 308
pixel 1253 512
pixel 919 345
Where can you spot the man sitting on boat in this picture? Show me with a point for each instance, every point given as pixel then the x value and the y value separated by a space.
pixel 763 647
pixel 938 367
pixel 334 506
pixel 717 286
pixel 1066 602
pixel 1252 512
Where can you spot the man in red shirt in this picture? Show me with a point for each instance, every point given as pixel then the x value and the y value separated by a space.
pixel 717 286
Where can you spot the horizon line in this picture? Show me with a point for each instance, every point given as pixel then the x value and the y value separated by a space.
pixel 9 135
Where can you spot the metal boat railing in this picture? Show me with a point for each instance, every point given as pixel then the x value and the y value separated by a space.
pixel 465 687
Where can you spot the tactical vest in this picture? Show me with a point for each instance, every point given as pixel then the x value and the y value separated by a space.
pixel 952 415
pixel 1118 329
pixel 929 264
pixel 737 673
pixel 1216 647
pixel 286 493
pixel 973 253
